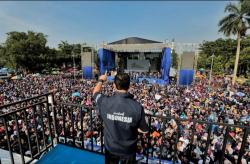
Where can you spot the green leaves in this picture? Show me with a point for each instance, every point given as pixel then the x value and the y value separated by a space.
pixel 237 19
pixel 224 51
pixel 24 50
pixel 174 59
pixel 237 22
pixel 28 51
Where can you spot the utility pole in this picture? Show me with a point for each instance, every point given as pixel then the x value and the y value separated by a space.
pixel 82 59
pixel 92 59
pixel 196 62
pixel 179 68
pixel 211 70
pixel 74 65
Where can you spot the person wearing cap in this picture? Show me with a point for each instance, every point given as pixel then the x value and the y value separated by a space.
pixel 123 117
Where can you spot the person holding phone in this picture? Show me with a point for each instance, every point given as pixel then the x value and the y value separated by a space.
pixel 123 117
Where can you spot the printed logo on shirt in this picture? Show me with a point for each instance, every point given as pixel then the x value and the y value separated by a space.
pixel 119 117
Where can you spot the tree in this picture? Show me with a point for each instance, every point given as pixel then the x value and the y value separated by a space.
pixel 221 48
pixel 174 59
pixel 69 52
pixel 2 56
pixel 24 50
pixel 224 50
pixel 236 23
pixel 51 58
pixel 65 50
pixel 245 62
pixel 28 51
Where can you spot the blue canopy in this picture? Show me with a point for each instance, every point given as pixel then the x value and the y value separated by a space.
pixel 240 94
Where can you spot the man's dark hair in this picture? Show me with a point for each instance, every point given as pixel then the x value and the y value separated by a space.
pixel 122 81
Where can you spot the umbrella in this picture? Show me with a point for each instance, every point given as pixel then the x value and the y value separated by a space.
pixel 17 77
pixel 240 94
pixel 157 97
pixel 76 94
pixel 36 75
pixel 202 69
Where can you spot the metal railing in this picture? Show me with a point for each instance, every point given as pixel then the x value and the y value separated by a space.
pixel 70 121
pixel 80 126
pixel 72 114
pixel 208 128
pixel 23 133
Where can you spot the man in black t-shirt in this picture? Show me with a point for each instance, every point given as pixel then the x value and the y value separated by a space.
pixel 123 118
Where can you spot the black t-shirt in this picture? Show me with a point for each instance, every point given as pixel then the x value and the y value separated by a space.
pixel 122 116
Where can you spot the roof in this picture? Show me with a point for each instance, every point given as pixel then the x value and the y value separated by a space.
pixel 134 40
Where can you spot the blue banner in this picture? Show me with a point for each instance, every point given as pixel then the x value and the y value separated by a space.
pixel 166 64
pixel 106 60
pixel 87 72
pixel 186 76
pixel 100 60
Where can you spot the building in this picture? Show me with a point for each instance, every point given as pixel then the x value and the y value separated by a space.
pixel 137 54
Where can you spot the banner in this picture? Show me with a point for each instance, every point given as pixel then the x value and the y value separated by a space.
pixel 87 72
pixel 106 60
pixel 166 64
pixel 186 76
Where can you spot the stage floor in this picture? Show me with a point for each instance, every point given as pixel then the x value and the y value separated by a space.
pixel 62 154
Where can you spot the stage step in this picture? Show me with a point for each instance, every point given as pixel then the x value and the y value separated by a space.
pixel 5 157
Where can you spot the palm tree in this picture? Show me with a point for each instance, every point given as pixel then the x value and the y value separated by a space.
pixel 237 23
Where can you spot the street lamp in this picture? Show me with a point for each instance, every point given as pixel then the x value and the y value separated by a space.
pixel 211 69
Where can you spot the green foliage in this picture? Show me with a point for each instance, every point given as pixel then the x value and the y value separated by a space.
pixel 23 50
pixel 174 59
pixel 224 51
pixel 28 51
pixel 2 56
pixel 68 51
pixel 237 20
pixel 219 47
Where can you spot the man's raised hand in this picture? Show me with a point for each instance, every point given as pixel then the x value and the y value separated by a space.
pixel 103 77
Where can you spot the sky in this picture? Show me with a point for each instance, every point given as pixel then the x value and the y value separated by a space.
pixel 107 21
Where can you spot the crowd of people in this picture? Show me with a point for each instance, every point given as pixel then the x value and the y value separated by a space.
pixel 220 103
